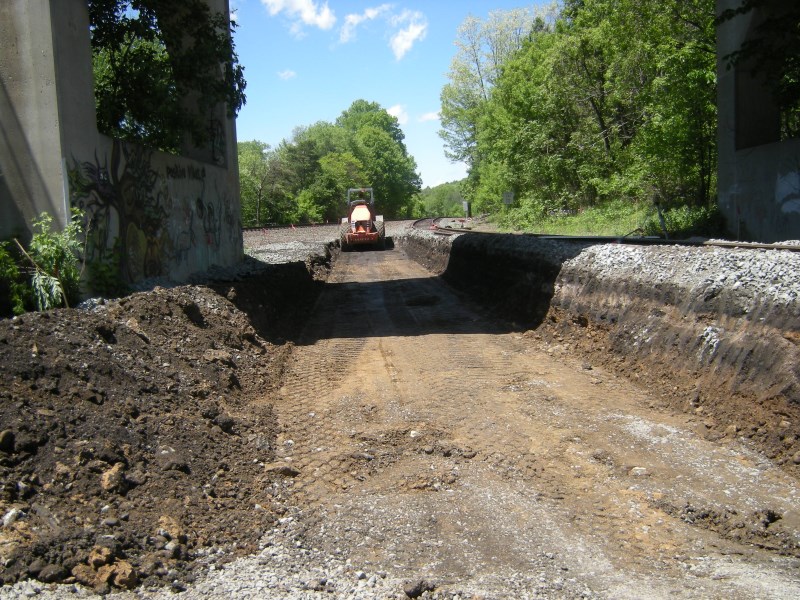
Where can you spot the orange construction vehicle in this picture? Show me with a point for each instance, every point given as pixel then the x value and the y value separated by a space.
pixel 361 225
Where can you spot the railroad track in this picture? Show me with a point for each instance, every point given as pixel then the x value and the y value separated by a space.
pixel 437 225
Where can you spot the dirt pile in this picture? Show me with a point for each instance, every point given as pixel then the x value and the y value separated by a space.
pixel 133 440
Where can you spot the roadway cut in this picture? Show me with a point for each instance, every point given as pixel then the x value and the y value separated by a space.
pixel 405 442
pixel 428 441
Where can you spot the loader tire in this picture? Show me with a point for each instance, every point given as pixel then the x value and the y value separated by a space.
pixel 344 229
pixel 381 227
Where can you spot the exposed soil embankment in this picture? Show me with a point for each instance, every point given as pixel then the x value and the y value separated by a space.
pixel 715 330
pixel 262 434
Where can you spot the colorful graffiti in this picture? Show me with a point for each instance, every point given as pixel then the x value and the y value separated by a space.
pixel 149 221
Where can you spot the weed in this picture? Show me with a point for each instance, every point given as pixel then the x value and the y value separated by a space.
pixel 15 295
pixel 613 218
pixel 53 262
pixel 686 221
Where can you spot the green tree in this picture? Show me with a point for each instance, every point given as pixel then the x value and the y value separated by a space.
pixel 254 182
pixel 307 176
pixel 483 47
pixel 443 200
pixel 362 113
pixel 157 69
pixel 391 172
pixel 377 141
pixel 338 172
pixel 616 100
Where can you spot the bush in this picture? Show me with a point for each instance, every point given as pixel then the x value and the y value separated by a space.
pixel 687 221
pixel 610 218
pixel 14 293
pixel 55 260
pixel 47 273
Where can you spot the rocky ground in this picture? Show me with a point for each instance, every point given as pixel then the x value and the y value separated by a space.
pixel 203 438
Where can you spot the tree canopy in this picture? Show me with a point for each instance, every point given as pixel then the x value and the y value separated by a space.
pixel 606 99
pixel 160 68
pixel 305 179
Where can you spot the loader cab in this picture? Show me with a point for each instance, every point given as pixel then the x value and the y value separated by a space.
pixel 361 225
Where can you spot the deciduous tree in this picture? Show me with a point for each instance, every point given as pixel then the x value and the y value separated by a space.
pixel 161 67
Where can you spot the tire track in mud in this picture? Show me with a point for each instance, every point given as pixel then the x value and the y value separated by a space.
pixel 425 438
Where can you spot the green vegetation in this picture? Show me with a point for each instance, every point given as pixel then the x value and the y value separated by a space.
pixel 585 110
pixel 47 273
pixel 683 222
pixel 305 179
pixel 618 218
pixel 592 112
pixel 441 201
pixel 157 70
pixel 14 293
pixel 614 218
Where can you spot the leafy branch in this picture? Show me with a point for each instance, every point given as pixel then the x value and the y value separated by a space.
pixel 55 261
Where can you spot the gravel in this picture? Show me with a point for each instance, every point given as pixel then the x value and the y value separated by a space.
pixel 748 277
pixel 286 567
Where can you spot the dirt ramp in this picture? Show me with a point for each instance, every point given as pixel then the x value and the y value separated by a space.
pixel 715 330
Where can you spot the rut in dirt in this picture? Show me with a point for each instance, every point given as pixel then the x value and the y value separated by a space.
pixel 424 438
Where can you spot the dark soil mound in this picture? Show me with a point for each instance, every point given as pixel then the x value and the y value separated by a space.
pixel 134 435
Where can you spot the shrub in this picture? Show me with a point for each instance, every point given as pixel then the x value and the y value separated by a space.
pixel 14 293
pixel 686 221
pixel 53 262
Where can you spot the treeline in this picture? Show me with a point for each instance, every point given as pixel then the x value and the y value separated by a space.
pixel 305 179
pixel 592 101
pixel 444 200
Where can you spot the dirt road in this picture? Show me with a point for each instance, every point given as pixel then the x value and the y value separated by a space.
pixel 419 445
pixel 433 443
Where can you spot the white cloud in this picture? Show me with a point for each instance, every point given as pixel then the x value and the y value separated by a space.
pixel 415 30
pixel 429 116
pixel 352 21
pixel 303 12
pixel 287 74
pixel 399 112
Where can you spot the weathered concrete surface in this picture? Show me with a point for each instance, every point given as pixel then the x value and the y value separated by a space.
pixel 46 99
pixel 149 214
pixel 758 175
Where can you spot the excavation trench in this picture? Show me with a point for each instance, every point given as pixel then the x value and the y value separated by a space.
pixel 714 332
pixel 500 417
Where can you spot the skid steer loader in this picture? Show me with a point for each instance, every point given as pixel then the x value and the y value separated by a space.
pixel 361 225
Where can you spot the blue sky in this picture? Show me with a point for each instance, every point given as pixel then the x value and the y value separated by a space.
pixel 308 60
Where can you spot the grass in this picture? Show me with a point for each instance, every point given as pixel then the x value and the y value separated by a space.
pixel 615 218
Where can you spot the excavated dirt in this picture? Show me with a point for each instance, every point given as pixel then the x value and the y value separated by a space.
pixel 387 435
pixel 129 441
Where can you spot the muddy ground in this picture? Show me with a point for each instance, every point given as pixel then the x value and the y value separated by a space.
pixel 404 426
